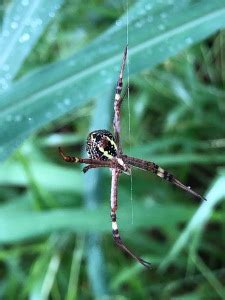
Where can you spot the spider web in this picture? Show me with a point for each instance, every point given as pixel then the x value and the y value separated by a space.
pixel 126 9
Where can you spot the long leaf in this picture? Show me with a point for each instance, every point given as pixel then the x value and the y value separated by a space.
pixel 47 175
pixel 52 91
pixel 43 223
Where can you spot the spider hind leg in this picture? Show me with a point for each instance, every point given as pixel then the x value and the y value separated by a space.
pixel 119 242
pixel 157 170
pixel 169 177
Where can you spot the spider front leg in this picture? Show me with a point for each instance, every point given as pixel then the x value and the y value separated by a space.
pixel 68 158
pixel 88 167
pixel 115 231
pixel 94 163
pixel 112 163
pixel 117 103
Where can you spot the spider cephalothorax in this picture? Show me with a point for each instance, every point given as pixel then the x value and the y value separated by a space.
pixel 105 150
pixel 101 145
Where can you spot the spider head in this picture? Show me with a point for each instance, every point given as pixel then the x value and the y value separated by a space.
pixel 101 145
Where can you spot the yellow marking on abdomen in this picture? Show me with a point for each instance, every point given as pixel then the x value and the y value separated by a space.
pixel 106 153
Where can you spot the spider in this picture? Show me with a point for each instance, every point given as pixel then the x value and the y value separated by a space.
pixel 104 150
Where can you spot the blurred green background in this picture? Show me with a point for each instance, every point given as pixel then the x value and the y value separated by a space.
pixel 59 61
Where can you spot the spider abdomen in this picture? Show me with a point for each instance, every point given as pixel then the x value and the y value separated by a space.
pixel 101 145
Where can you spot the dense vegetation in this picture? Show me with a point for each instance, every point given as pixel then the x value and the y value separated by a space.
pixel 58 66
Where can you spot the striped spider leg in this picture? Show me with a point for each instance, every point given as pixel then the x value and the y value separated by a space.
pixel 157 170
pixel 126 168
pixel 117 103
pixel 115 231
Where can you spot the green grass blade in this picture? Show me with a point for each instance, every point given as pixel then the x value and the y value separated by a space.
pixel 47 175
pixel 95 260
pixel 23 24
pixel 199 219
pixel 15 225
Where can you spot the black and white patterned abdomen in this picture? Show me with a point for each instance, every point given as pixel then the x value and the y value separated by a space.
pixel 101 145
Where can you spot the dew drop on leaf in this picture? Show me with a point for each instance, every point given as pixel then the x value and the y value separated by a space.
pixel 51 14
pixel 67 101
pixel 118 23
pixel 148 6
pixel 14 25
pixel 25 2
pixel 25 37
pixel 188 40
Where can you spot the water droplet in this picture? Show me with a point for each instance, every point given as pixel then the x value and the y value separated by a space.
pixel 139 24
pixel 67 101
pixel 14 25
pixel 189 40
pixel 148 6
pixel 142 12
pixel 51 14
pixel 25 2
pixel 118 23
pixel 3 84
pixel 57 6
pixel 8 76
pixel 25 37
pixel 108 81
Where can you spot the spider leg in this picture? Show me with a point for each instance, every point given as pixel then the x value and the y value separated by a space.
pixel 115 231
pixel 89 161
pixel 117 102
pixel 157 170
pixel 68 158
pixel 88 167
